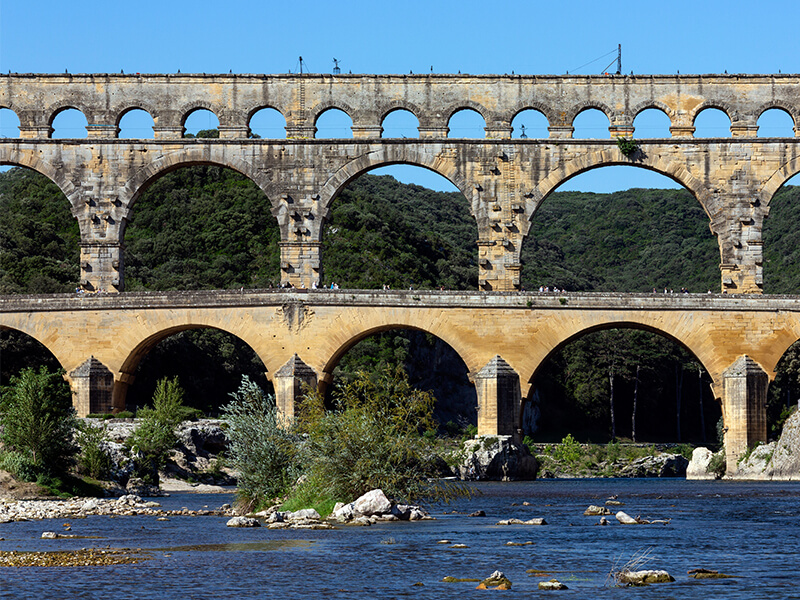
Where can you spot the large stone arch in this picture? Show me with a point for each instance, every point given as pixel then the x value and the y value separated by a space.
pixel 316 112
pixel 42 333
pixel 792 110
pixel 56 108
pixel 788 170
pixel 564 329
pixel 386 155
pixel 193 154
pixel 449 111
pixel 341 344
pixel 129 357
pixel 730 110
pixel 656 104
pixel 187 109
pixel 612 157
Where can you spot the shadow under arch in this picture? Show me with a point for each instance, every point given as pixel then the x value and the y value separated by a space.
pixel 432 365
pixel 137 355
pixel 709 377
pixel 388 155
pixel 19 349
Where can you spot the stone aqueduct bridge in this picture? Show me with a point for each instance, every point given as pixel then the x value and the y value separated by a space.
pixel 504 179
pixel 503 338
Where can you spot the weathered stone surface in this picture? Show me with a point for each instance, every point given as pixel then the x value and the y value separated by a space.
pixel 645 577
pixel 495 581
pixel 596 511
pixel 698 466
pixel 373 502
pixel 663 465
pixel 496 457
pixel 301 515
pixel 626 519
pixel 553 584
pixel 243 522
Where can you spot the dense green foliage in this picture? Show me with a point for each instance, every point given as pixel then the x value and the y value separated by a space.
pixel 37 421
pixel 260 450
pixel 381 232
pixel 155 436
pixel 39 237
pixel 202 227
pixel 373 437
pixel 632 241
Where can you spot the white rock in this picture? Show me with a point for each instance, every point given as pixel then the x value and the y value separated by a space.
pixel 344 513
pixel 373 502
pixel 698 466
pixel 49 535
pixel 243 522
pixel 302 515
pixel 644 577
pixel 626 519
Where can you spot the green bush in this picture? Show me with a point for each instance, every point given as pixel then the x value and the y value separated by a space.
pixel 38 420
pixel 613 451
pixel 155 436
pixel 259 448
pixel 718 464
pixel 569 451
pixel 124 414
pixel 372 439
pixel 93 459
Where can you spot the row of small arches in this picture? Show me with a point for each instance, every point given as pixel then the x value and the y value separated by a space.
pixel 334 123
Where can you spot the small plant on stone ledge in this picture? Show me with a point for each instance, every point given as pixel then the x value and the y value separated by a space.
pixel 627 146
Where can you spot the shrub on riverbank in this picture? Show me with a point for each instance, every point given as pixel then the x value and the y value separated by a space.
pixel 37 420
pixel 260 450
pixel 155 436
pixel 375 437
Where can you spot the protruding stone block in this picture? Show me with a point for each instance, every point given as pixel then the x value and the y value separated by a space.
pixel 92 384
pixel 499 398
pixel 744 400
pixel 290 382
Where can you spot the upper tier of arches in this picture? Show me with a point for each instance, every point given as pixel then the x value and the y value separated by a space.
pixel 368 100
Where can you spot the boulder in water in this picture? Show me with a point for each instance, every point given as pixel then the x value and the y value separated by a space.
pixel 498 458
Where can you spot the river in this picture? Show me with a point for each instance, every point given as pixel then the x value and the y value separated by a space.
pixel 751 530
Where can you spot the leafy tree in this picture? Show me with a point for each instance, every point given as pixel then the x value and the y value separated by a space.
pixel 372 439
pixel 260 448
pixel 155 436
pixel 37 420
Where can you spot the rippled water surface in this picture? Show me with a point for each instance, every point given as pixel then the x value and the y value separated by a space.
pixel 751 530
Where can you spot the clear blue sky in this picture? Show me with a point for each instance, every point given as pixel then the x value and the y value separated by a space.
pixel 381 37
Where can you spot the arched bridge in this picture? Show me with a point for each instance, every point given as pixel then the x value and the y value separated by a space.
pixel 502 337
pixel 505 180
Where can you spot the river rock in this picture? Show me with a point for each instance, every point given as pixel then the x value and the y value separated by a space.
pixel 785 462
pixel 305 514
pixel 373 502
pixel 553 584
pixel 698 466
pixel 596 511
pixel 138 487
pixel 626 519
pixel 495 581
pixel 663 465
pixel 644 577
pixel 243 522
pixel 496 457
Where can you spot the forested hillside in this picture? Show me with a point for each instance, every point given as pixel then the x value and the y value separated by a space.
pixel 209 227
